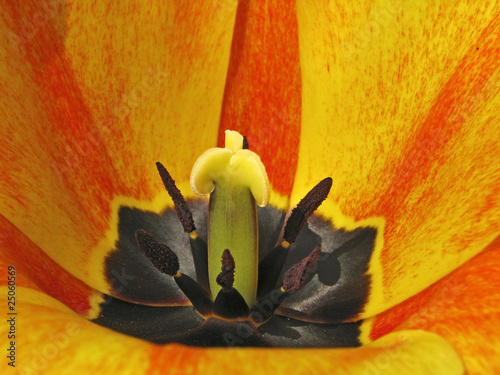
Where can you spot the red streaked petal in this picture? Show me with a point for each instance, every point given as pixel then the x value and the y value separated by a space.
pixel 87 114
pixel 463 307
pixel 57 341
pixel 415 351
pixel 400 108
pixel 262 98
pixel 35 270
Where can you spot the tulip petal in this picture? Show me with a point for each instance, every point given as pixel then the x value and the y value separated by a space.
pixel 155 324
pixel 327 295
pixel 56 340
pixel 52 339
pixel 262 97
pixel 285 332
pixel 90 101
pixel 131 275
pixel 32 268
pixel 463 307
pixel 400 108
pixel 408 351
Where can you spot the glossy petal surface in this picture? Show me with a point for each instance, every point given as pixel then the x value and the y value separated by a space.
pixel 399 106
pixel 34 269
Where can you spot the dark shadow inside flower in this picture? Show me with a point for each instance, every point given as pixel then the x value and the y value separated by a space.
pixel 287 332
pixel 153 323
pixel 335 289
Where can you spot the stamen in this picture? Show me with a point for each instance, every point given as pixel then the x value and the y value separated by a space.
pixel 226 278
pixel 296 275
pixel 199 298
pixel 181 207
pixel 229 303
pixel 301 213
pixel 245 143
pixel 293 280
pixel 164 259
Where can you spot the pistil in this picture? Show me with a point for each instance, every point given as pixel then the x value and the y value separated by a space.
pixel 236 180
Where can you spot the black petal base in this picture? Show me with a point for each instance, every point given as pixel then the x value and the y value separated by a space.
pixel 335 291
pixel 183 325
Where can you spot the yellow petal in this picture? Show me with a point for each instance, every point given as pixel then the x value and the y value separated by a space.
pixel 32 268
pixel 400 108
pixel 54 340
pixel 415 352
pixel 463 307
pixel 86 114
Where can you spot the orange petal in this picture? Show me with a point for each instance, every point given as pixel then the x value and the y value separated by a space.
pixel 54 340
pixel 464 308
pixel 35 270
pixel 262 98
pixel 417 351
pixel 91 99
pixel 400 108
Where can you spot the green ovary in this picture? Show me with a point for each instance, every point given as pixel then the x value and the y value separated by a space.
pixel 233 225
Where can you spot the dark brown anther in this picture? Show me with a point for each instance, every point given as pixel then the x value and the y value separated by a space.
pixel 301 213
pixel 245 143
pixel 181 207
pixel 296 275
pixel 267 304
pixel 226 278
pixel 229 303
pixel 164 259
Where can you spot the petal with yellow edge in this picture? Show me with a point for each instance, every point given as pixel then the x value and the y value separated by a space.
pixel 463 308
pixel 91 98
pixel 364 219
pixel 400 107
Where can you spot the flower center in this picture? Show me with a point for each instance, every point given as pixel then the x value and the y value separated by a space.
pixel 237 182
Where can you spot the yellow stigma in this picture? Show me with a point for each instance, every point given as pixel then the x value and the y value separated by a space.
pixel 236 180
pixel 232 161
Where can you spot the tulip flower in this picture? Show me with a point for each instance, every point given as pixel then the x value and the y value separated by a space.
pixel 371 143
